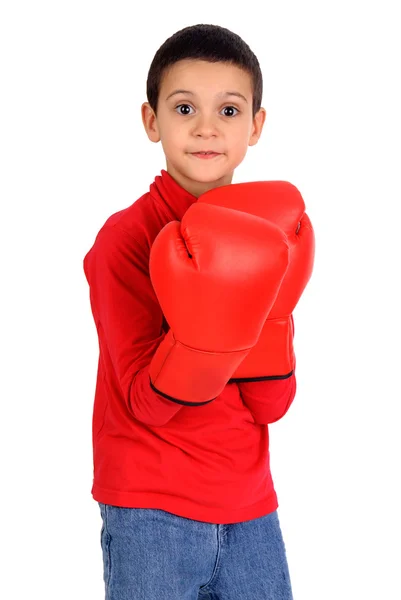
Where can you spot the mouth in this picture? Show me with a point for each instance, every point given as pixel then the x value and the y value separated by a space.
pixel 207 154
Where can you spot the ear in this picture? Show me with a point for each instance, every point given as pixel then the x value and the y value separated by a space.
pixel 257 126
pixel 149 121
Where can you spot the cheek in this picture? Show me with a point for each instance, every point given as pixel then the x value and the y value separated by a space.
pixel 240 133
pixel 169 142
pixel 239 143
pixel 174 134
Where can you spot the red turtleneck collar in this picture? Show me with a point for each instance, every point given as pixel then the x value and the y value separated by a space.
pixel 171 195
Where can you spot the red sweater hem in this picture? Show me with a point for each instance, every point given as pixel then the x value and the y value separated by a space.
pixel 184 508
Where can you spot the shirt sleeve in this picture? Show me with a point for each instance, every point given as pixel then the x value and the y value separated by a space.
pixel 269 400
pixel 128 319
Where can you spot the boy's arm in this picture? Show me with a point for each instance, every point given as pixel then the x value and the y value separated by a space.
pixel 128 320
pixel 269 400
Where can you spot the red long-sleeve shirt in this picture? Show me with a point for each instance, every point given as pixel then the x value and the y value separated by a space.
pixel 209 463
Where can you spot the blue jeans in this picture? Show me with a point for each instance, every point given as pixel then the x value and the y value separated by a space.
pixel 151 554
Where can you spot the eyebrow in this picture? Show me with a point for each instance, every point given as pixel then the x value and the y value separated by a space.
pixel 217 95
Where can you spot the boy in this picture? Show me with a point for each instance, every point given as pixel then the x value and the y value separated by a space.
pixel 183 483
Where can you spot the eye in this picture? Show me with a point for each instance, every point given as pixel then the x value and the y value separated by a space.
pixel 231 108
pixel 187 106
pixel 180 106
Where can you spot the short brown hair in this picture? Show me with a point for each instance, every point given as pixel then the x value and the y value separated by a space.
pixel 211 43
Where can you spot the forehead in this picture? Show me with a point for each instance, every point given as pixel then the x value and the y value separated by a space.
pixel 202 77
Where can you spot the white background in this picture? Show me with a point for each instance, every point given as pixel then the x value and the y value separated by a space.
pixel 74 151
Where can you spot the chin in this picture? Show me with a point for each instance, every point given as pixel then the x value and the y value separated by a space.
pixel 207 177
pixel 206 172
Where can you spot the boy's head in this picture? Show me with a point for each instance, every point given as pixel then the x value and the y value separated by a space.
pixel 207 62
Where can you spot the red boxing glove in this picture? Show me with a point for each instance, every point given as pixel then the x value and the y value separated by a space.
pixel 281 203
pixel 216 275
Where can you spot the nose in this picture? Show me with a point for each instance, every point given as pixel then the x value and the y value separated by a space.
pixel 205 126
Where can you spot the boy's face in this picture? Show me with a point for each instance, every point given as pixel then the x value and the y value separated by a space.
pixel 202 118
